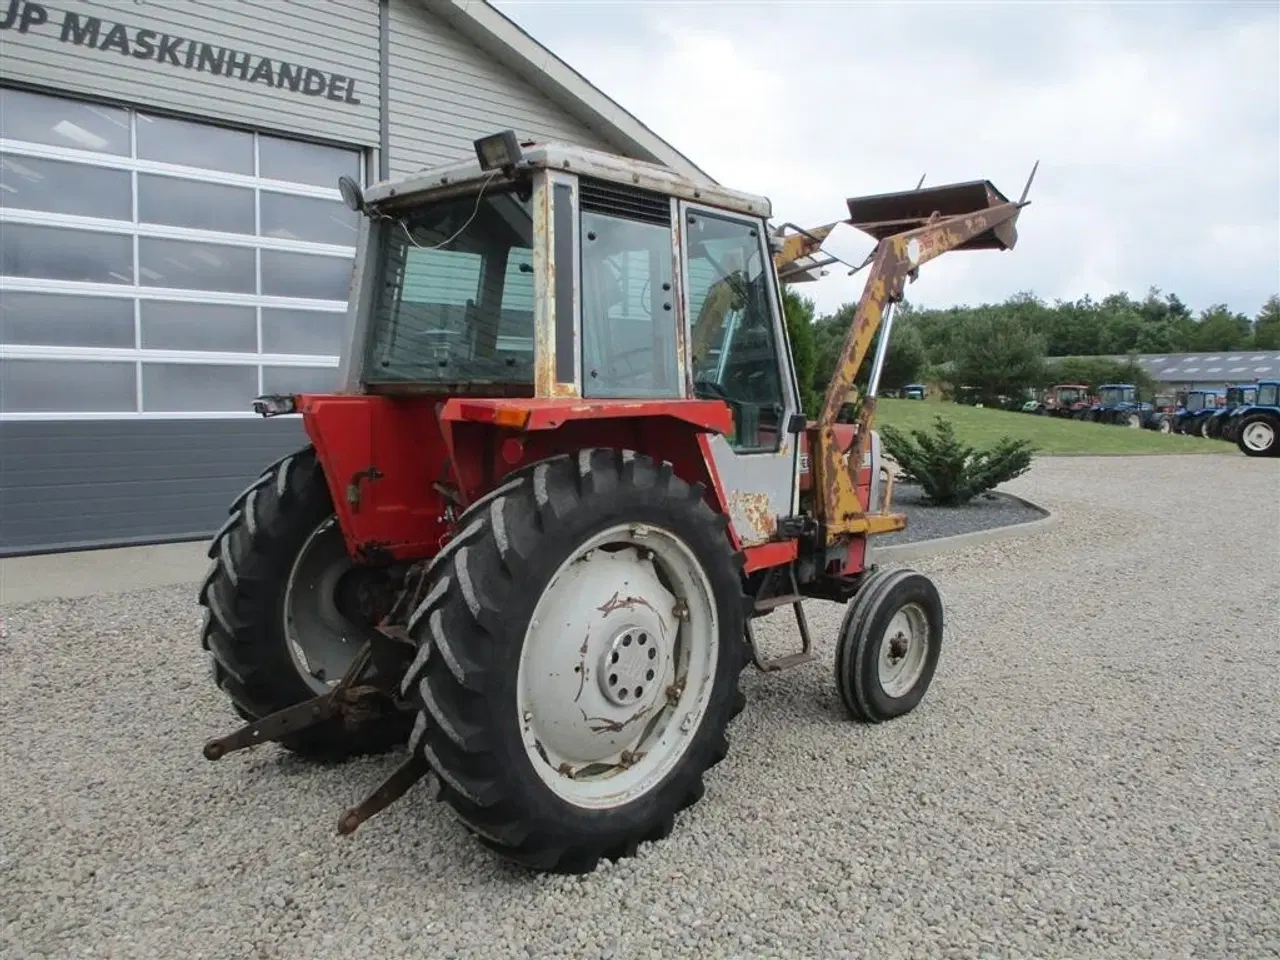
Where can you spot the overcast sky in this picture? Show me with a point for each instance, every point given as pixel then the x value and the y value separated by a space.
pixel 1157 126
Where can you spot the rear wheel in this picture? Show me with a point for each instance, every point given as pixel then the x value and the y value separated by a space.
pixel 286 608
pixel 580 644
pixel 1133 420
pixel 889 645
pixel 1257 434
pixel 1165 425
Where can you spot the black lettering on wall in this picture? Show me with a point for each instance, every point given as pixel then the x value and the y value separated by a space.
pixel 117 38
pixel 144 43
pixel 80 33
pixel 212 58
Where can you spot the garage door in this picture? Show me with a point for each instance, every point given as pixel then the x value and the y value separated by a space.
pixel 157 269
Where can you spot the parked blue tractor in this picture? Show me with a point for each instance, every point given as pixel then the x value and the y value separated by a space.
pixel 1237 397
pixel 1255 427
pixel 1192 418
pixel 1118 403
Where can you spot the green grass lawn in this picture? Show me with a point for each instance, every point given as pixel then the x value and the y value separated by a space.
pixel 980 427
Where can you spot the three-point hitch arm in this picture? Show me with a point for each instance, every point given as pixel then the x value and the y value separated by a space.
pixel 912 228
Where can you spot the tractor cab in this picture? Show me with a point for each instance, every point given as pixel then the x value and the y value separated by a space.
pixel 913 391
pixel 1193 416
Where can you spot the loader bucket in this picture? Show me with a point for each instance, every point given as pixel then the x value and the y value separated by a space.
pixel 885 214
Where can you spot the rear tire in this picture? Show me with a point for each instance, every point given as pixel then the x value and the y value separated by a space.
pixel 255 556
pixel 889 645
pixel 539 648
pixel 1258 435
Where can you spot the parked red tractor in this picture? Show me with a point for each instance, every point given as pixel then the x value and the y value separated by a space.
pixel 1066 400
pixel 566 468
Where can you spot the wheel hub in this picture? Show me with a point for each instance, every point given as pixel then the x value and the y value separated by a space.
pixel 903 650
pixel 617 665
pixel 628 669
pixel 1258 436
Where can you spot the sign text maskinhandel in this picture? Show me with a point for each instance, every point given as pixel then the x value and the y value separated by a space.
pixel 142 43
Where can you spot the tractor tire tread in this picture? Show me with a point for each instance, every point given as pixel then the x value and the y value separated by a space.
pixel 252 553
pixel 465 637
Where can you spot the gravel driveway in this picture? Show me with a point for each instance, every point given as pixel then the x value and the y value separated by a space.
pixel 1095 773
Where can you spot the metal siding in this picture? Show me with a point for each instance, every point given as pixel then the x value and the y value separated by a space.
pixel 337 36
pixel 151 479
pixel 445 92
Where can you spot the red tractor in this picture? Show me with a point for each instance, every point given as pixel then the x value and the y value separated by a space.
pixel 1067 400
pixel 566 467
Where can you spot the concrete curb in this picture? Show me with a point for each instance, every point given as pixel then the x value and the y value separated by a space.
pixel 898 552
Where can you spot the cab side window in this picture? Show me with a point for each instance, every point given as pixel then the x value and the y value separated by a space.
pixel 732 342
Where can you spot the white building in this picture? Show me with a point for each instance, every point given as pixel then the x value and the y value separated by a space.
pixel 172 241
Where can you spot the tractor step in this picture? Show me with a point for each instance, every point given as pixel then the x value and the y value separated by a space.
pixel 765 604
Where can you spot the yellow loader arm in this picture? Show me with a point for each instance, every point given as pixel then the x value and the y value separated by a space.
pixel 912 228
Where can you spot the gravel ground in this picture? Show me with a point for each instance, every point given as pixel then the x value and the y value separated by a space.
pixel 1093 774
pixel 927 522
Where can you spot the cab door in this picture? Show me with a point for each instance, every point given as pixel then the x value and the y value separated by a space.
pixel 735 336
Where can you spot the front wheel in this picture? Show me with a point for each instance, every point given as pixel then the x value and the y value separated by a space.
pixel 580 643
pixel 1256 436
pixel 889 645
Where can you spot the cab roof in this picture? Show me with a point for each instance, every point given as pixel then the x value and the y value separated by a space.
pixel 572 158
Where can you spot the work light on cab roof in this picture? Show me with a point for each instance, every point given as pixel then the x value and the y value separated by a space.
pixel 565 470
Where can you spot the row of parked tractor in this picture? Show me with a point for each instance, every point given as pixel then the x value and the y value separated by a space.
pixel 1247 415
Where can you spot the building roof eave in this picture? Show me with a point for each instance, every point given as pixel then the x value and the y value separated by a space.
pixel 496 34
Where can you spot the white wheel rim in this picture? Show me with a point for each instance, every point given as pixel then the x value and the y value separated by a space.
pixel 1258 436
pixel 617 666
pixel 1165 426
pixel 903 649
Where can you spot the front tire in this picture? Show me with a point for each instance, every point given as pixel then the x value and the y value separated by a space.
pixel 270 599
pixel 572 691
pixel 889 645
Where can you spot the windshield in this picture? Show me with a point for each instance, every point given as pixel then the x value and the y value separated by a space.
pixel 1114 395
pixel 1195 401
pixel 1069 395
pixel 455 295
pixel 1267 396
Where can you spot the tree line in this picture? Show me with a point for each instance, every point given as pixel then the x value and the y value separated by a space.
pixel 1003 349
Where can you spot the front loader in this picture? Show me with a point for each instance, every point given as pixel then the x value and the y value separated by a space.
pixel 565 469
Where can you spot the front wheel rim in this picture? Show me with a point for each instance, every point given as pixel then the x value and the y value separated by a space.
pixel 618 666
pixel 1258 436
pixel 904 648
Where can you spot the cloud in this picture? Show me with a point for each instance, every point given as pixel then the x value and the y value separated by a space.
pixel 1157 126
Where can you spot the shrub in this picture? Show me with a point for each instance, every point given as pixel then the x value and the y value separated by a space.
pixel 951 472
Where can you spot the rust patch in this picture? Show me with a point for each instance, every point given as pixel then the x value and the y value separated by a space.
pixel 582 666
pixel 605 725
pixel 624 603
pixel 753 509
